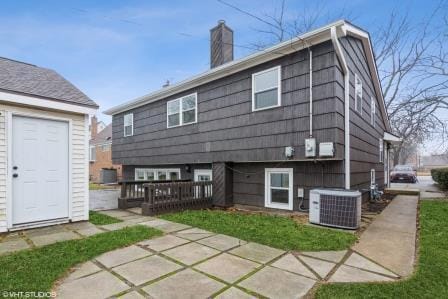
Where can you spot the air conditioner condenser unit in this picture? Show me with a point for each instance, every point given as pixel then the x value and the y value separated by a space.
pixel 336 208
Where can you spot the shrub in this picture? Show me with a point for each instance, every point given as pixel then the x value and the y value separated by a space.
pixel 440 175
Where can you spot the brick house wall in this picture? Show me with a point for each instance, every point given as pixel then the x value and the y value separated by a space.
pixel 103 159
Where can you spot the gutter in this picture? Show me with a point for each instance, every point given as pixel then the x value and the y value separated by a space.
pixel 345 70
pixel 311 92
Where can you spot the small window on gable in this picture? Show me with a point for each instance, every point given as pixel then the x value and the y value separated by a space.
pixel 128 124
pixel 381 149
pixel 182 111
pixel 358 94
pixel 373 112
pixel 266 89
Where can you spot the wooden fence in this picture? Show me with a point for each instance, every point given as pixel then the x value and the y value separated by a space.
pixel 176 196
pixel 133 192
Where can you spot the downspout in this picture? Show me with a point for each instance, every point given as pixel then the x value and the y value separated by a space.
pixel 345 70
pixel 311 92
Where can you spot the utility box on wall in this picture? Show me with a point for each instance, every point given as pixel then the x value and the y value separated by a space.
pixel 326 149
pixel 310 147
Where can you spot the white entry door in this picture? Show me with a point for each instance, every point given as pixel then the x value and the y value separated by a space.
pixel 39 169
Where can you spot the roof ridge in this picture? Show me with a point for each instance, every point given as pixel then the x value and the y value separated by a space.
pixel 18 61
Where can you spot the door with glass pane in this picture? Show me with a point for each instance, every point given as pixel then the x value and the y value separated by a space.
pixel 203 175
pixel 279 188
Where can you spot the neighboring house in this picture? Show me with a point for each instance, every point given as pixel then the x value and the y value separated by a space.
pixel 44 146
pixel 433 161
pixel 100 154
pixel 263 127
pixel 100 125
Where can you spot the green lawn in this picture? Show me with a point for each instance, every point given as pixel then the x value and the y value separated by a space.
pixel 275 231
pixel 431 278
pixel 37 269
pixel 102 219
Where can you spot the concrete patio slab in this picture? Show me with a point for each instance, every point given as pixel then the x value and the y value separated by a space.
pixel 116 226
pixel 132 295
pixel 322 268
pixel 116 213
pixel 331 256
pixel 358 261
pixel 42 240
pixel 121 256
pixel 234 293
pixel 257 252
pixel 165 226
pixel 425 195
pixel 350 274
pixel 146 269
pixel 390 238
pixel 180 286
pixel 97 286
pixel 45 231
pixel 78 225
pixel 191 253
pixel 275 283
pixel 222 242
pixel 164 242
pixel 290 263
pixel 194 234
pixel 139 219
pixel 13 245
pixel 129 217
pixel 227 267
pixel 83 269
pixel 136 210
pixel 89 231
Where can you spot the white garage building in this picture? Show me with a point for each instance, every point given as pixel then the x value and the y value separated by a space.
pixel 44 143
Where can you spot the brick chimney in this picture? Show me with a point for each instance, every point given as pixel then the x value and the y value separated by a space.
pixel 93 127
pixel 221 44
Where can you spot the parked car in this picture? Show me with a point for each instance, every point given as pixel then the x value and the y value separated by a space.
pixel 403 174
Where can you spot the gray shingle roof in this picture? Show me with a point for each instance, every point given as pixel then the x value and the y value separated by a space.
pixel 103 136
pixel 24 78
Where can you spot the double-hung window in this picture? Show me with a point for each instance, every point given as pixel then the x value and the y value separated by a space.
pixel 381 149
pixel 358 94
pixel 153 174
pixel 92 153
pixel 128 122
pixel 279 188
pixel 266 89
pixel 182 111
pixel 372 111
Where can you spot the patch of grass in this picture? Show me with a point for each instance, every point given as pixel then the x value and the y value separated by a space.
pixel 275 231
pixel 94 186
pixel 102 219
pixel 431 278
pixel 37 269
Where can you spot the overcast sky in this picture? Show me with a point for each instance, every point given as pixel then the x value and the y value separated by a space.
pixel 115 51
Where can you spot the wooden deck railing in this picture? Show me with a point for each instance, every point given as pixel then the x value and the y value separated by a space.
pixel 176 196
pixel 133 192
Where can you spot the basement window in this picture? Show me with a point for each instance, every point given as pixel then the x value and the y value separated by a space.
pixel 358 94
pixel 266 89
pixel 182 111
pixel 278 188
pixel 372 112
pixel 153 174
pixel 128 124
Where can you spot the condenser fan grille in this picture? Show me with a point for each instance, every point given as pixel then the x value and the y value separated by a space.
pixel 338 211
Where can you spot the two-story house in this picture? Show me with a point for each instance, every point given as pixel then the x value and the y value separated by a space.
pixel 305 113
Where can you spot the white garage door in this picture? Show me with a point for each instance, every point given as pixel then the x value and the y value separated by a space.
pixel 39 169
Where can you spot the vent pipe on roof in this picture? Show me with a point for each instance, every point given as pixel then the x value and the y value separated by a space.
pixel 221 44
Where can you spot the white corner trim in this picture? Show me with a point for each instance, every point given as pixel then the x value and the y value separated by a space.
pixel 43 103
pixel 86 165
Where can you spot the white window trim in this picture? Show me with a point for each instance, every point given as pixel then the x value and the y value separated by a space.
pixel 198 172
pixel 279 88
pixel 373 111
pixel 155 170
pixel 356 94
pixel 381 150
pixel 267 192
pixel 132 124
pixel 92 147
pixel 181 120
